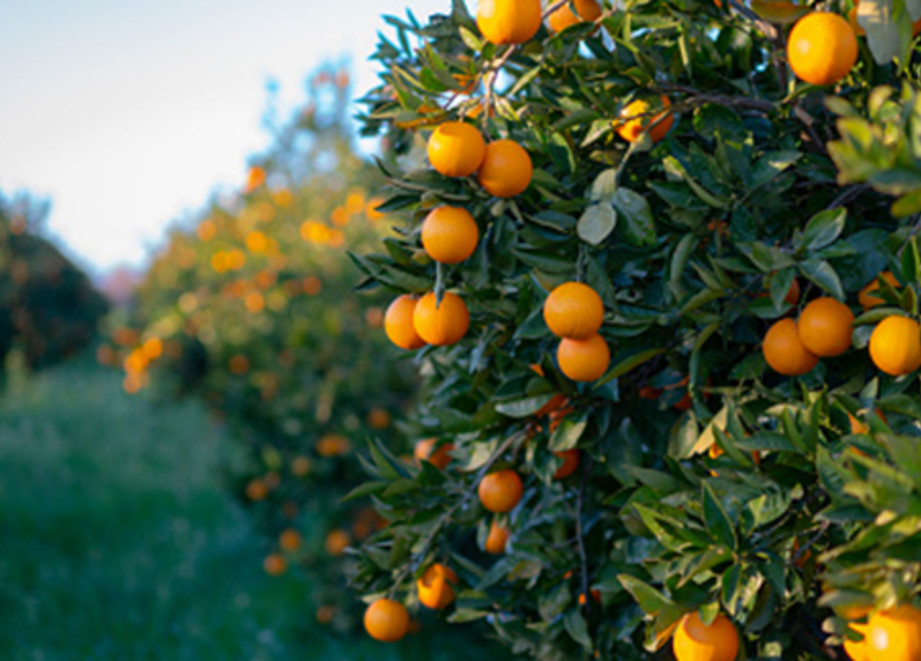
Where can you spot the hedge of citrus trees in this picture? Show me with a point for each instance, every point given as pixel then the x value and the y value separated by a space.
pixel 659 267
pixel 48 307
pixel 251 306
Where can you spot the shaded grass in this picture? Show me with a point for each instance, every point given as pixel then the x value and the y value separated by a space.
pixel 117 540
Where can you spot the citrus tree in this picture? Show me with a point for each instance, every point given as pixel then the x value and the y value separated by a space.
pixel 48 307
pixel 250 306
pixel 666 311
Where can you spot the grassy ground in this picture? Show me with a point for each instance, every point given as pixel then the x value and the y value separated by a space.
pixel 118 542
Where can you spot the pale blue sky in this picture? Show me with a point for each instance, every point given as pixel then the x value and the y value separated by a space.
pixel 127 113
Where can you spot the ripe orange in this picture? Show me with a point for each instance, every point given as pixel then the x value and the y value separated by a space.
pixel 337 541
pixel 573 310
pixel 570 464
pixel 274 564
pixel 894 634
pixel 449 234
pixel 583 360
pixel 300 466
pixel 378 418
pixel 866 299
pixel 456 149
pixel 425 451
pixel 508 21
pixel 386 620
pixel 792 296
pixel 290 540
pixel 857 650
pixel 635 119
pixel 596 595
pixel 333 445
pixel 564 17
pixel 822 48
pixel 442 325
pixel 695 641
pixel 500 491
pixel 497 539
pixel 434 586
pixel 506 169
pixel 895 345
pixel 257 490
pixel 785 352
pixel 824 327
pixel 398 323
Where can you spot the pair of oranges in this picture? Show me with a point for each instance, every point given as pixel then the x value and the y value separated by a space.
pixel 793 348
pixel 503 167
pixel 574 312
pixel 517 21
pixel 411 323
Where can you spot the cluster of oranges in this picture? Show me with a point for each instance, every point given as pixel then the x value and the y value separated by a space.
pixel 824 328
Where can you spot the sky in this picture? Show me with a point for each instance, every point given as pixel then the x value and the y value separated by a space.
pixel 127 114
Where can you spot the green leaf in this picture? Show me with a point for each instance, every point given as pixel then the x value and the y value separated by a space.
pixel 650 600
pixel 568 433
pixel 638 226
pixel 577 629
pixel 822 229
pixel 628 364
pixel 522 408
pixel 596 223
pixel 821 273
pixel 718 522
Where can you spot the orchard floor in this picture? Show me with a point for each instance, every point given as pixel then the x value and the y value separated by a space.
pixel 117 540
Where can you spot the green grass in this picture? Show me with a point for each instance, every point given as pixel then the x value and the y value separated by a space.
pixel 117 540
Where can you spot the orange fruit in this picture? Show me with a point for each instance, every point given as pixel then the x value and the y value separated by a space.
pixel 497 539
pixel 500 491
pixel 506 169
pixel 822 48
pixel 337 541
pixel 425 450
pixel 257 490
pixel 386 620
pixel 300 466
pixel 824 327
pixel 894 634
pixel 508 21
pixel 570 463
pixel 857 650
pixel 866 299
pixel 564 17
pixel 456 149
pixel 635 119
pixel 444 324
pixel 695 641
pixel 785 352
pixel 378 418
pixel 290 540
pixel 398 323
pixel 573 310
pixel 434 586
pixel 449 234
pixel 274 564
pixel 583 360
pixel 333 445
pixel 895 345
pixel 860 427
pixel 596 595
